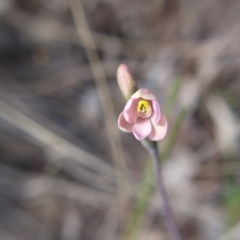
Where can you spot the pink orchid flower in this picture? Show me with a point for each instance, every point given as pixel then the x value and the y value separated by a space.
pixel 142 117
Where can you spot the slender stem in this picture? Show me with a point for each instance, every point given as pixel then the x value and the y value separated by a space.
pixel 167 214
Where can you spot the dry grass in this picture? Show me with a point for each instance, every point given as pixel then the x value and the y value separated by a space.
pixel 58 108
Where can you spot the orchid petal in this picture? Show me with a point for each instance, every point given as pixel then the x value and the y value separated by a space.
pixel 144 94
pixel 159 130
pixel 123 124
pixel 156 115
pixel 130 111
pixel 142 128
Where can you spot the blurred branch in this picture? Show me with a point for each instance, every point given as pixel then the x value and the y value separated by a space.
pixel 173 134
pixel 56 143
pixel 225 126
pixel 49 29
pixel 70 77
pixel 172 98
pixel 104 96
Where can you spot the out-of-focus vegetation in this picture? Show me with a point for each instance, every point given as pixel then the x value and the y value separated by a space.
pixel 66 171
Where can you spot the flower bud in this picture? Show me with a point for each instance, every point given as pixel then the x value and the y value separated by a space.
pixel 126 82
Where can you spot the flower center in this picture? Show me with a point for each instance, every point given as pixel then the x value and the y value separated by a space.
pixel 144 109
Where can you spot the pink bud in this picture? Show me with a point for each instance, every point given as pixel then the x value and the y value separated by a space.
pixel 125 81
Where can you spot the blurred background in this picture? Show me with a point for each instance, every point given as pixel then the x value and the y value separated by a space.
pixel 66 171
